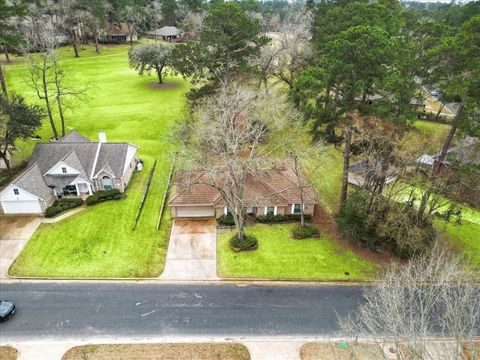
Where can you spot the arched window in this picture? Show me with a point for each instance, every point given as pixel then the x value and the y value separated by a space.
pixel 107 183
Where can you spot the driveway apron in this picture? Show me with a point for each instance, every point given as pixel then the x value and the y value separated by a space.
pixel 192 250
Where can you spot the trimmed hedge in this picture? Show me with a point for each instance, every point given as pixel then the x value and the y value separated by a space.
pixel 266 219
pixel 62 205
pixel 308 231
pixel 226 220
pixel 248 243
pixel 104 195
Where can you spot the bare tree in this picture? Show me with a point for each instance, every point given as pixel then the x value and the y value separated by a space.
pixel 429 298
pixel 233 137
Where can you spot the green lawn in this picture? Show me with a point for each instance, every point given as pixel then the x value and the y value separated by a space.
pixel 464 237
pixel 279 256
pixel 98 242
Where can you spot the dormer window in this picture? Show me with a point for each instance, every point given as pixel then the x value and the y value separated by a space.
pixel 16 192
pixel 64 170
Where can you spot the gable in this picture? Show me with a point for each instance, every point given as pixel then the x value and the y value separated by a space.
pixel 62 169
pixel 8 194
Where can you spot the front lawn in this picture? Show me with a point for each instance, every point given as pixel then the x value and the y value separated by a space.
pixel 98 242
pixel 280 257
pixel 464 237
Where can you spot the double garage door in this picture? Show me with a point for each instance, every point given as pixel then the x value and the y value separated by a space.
pixel 195 211
pixel 21 207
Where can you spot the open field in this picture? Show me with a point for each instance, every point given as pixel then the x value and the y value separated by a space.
pixel 99 242
pixel 279 256
pixel 159 352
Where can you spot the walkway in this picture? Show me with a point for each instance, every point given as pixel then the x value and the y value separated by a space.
pixel 192 250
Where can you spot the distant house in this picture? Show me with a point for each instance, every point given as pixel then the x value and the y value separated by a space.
pixel 270 192
pixel 167 33
pixel 416 103
pixel 466 153
pixel 73 166
pixel 362 173
pixel 118 33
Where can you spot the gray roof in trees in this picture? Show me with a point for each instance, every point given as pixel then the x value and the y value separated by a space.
pixel 166 31
pixel 31 180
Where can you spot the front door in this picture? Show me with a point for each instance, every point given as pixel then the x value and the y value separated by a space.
pixel 107 183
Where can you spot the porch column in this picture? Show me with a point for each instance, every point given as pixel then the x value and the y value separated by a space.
pixel 78 191
pixel 89 187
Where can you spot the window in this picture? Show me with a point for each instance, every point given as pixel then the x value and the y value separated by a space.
pixel 16 192
pixel 296 209
pixel 64 170
pixel 226 211
pixel 270 210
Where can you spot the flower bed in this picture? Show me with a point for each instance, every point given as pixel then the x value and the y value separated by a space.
pixel 62 205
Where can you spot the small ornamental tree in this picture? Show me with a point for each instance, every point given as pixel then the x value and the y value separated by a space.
pixel 18 120
pixel 148 57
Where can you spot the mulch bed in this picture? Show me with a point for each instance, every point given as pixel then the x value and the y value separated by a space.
pixel 325 222
pixel 158 352
pixel 157 86
pixel 8 353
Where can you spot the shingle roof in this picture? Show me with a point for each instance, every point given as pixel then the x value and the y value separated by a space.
pixel 269 187
pixel 166 31
pixel 31 180
pixel 74 136
pixel 113 155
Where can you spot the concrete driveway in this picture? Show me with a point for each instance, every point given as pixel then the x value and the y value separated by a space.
pixel 14 234
pixel 192 250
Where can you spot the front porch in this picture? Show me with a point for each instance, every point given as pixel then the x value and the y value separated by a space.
pixel 82 190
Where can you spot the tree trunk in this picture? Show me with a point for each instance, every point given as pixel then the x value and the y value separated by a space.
pixel 3 154
pixel 346 163
pixel 97 48
pixel 239 225
pixel 3 83
pixel 47 104
pixel 60 112
pixel 7 57
pixel 448 141
pixel 159 74
pixel 439 111
pixel 75 43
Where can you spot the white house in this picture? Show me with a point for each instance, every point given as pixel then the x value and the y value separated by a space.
pixel 73 166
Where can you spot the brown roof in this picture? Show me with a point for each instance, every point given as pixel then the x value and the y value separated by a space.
pixel 117 29
pixel 266 188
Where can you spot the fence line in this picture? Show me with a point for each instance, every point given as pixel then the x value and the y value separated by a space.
pixel 144 195
pixel 165 194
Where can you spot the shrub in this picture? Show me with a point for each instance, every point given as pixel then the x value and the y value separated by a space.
pixel 104 195
pixel 266 219
pixel 305 232
pixel 248 243
pixel 62 205
pixel 226 220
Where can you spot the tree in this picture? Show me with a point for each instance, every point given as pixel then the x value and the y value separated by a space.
pixel 429 297
pixel 132 16
pixel 223 47
pixel 18 120
pixel 232 138
pixel 72 15
pixel 96 18
pixel 169 10
pixel 8 33
pixel 148 57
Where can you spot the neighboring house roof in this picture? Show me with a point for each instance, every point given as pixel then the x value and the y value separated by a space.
pixel 265 188
pixel 466 153
pixel 118 29
pixel 74 136
pixel 31 180
pixel 166 31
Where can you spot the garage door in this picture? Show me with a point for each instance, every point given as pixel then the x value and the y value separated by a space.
pixel 195 211
pixel 21 207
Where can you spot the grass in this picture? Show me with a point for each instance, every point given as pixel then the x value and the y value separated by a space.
pixel 159 352
pixel 464 237
pixel 332 351
pixel 279 256
pixel 98 242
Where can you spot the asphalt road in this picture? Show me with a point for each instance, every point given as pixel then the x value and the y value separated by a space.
pixel 81 310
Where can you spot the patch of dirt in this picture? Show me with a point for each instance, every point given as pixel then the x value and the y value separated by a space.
pixel 157 86
pixel 11 227
pixel 332 351
pixel 158 352
pixel 194 226
pixel 325 222
pixel 8 353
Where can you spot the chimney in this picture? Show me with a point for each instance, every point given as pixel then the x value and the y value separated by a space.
pixel 102 137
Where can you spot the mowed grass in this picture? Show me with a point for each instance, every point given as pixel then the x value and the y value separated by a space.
pixel 99 241
pixel 279 256
pixel 465 238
